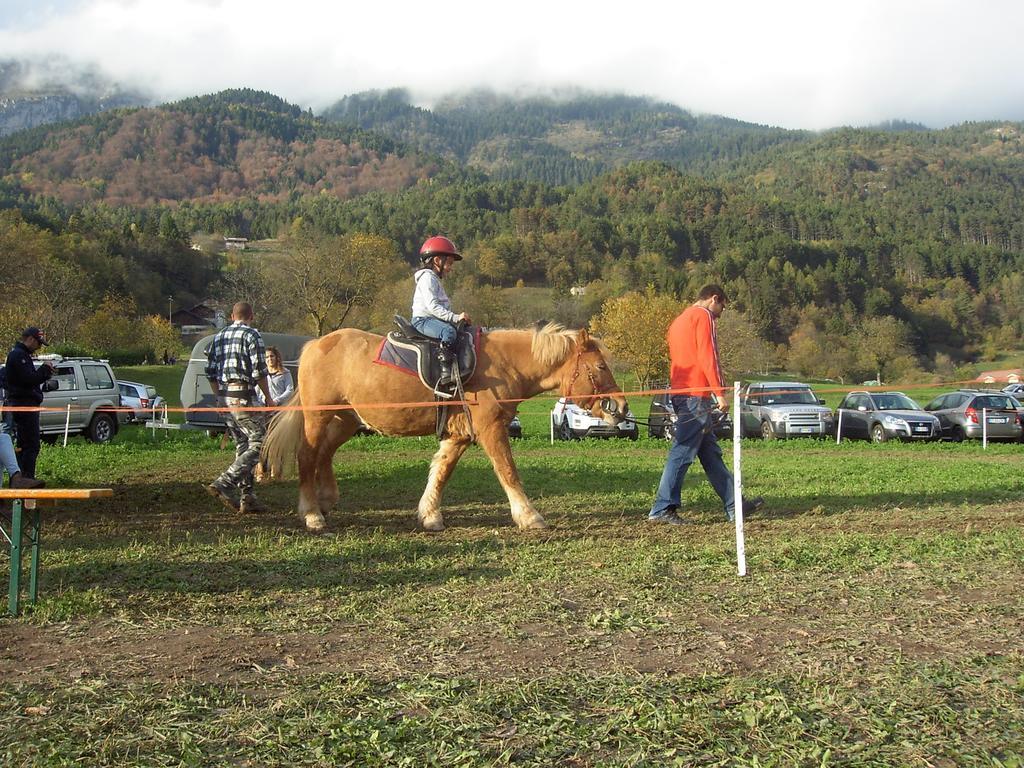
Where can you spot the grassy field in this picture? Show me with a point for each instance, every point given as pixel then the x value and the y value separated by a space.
pixel 880 623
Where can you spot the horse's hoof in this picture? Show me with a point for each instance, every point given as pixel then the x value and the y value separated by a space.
pixel 315 523
pixel 432 526
pixel 537 524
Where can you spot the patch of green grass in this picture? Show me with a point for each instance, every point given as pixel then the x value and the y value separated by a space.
pixel 879 623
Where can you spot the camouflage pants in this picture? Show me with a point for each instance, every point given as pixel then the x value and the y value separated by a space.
pixel 247 429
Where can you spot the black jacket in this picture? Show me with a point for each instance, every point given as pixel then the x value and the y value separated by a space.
pixel 23 378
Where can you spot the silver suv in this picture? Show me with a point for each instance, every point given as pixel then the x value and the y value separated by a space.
pixel 774 409
pixel 89 387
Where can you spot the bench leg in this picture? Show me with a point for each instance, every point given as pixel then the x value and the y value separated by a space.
pixel 15 587
pixel 35 534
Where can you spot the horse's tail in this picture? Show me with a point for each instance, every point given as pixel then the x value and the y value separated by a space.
pixel 282 440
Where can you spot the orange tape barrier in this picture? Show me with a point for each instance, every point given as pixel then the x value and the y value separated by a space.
pixel 436 404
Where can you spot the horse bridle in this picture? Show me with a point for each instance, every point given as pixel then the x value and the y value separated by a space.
pixel 611 409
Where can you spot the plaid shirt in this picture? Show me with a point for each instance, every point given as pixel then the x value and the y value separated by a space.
pixel 237 354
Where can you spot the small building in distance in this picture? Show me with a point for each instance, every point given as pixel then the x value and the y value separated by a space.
pixel 1008 376
pixel 205 317
pixel 235 243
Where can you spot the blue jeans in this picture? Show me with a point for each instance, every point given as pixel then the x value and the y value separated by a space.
pixel 8 458
pixel 693 439
pixel 437 329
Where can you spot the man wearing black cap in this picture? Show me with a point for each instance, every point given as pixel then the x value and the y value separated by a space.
pixel 23 390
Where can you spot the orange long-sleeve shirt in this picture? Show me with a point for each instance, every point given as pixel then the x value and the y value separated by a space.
pixel 693 353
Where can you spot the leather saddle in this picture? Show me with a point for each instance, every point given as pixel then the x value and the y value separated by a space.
pixel 424 348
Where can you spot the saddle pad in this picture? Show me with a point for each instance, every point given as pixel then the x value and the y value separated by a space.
pixel 414 359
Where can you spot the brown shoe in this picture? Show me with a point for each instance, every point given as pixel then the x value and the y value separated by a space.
pixel 18 480
pixel 251 504
pixel 222 495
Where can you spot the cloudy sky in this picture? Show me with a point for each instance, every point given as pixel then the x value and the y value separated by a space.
pixel 793 63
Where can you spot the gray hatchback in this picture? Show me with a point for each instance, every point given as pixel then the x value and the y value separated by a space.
pixel 972 413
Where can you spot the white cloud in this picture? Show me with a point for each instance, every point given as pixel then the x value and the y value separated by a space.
pixel 798 64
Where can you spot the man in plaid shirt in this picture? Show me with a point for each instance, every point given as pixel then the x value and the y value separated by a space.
pixel 236 366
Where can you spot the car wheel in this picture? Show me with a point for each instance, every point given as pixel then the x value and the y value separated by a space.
pixel 101 428
pixel 878 434
pixel 565 431
pixel 767 432
pixel 634 435
pixel 957 434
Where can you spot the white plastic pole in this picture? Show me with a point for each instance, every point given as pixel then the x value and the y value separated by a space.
pixel 67 425
pixel 984 428
pixel 737 483
pixel 551 426
pixel 839 426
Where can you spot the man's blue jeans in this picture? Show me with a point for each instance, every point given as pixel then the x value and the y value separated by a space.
pixel 693 439
pixel 437 329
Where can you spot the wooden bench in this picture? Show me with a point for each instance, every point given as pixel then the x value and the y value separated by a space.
pixel 27 500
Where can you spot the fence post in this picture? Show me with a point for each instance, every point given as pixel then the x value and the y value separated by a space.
pixel 67 425
pixel 984 428
pixel 839 426
pixel 737 482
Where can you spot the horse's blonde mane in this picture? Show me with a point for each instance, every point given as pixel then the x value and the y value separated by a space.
pixel 552 343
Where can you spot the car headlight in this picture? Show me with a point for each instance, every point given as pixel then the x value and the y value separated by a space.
pixel 827 416
pixel 892 421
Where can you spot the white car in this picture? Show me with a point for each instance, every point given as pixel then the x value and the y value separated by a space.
pixel 573 423
pixel 142 398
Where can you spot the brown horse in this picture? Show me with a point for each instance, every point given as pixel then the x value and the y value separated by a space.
pixel 512 365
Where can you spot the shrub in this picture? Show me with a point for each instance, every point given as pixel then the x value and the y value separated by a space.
pixel 131 356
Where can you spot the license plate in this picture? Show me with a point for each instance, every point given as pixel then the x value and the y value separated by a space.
pixel 1001 420
pixel 806 430
pixel 921 429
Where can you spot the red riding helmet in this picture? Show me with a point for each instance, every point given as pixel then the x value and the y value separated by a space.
pixel 438 246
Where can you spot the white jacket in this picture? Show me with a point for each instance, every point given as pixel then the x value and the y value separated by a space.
pixel 430 300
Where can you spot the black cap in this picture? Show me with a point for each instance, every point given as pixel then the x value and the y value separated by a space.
pixel 35 333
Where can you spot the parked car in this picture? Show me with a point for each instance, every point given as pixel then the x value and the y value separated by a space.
pixel 195 389
pixel 142 398
pixel 573 423
pixel 1017 390
pixel 515 428
pixel 776 409
pixel 88 385
pixel 881 416
pixel 960 414
pixel 661 420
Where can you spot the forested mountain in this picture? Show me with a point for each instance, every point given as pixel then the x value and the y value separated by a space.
pixel 562 139
pixel 830 244
pixel 229 145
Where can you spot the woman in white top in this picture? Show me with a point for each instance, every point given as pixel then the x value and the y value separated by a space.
pixel 279 379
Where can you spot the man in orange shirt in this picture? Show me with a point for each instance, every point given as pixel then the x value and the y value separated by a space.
pixel 697 380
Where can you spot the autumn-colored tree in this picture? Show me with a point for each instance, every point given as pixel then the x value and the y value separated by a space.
pixel 741 349
pixel 633 327
pixel 112 326
pixel 880 341
pixel 328 275
pixel 160 336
